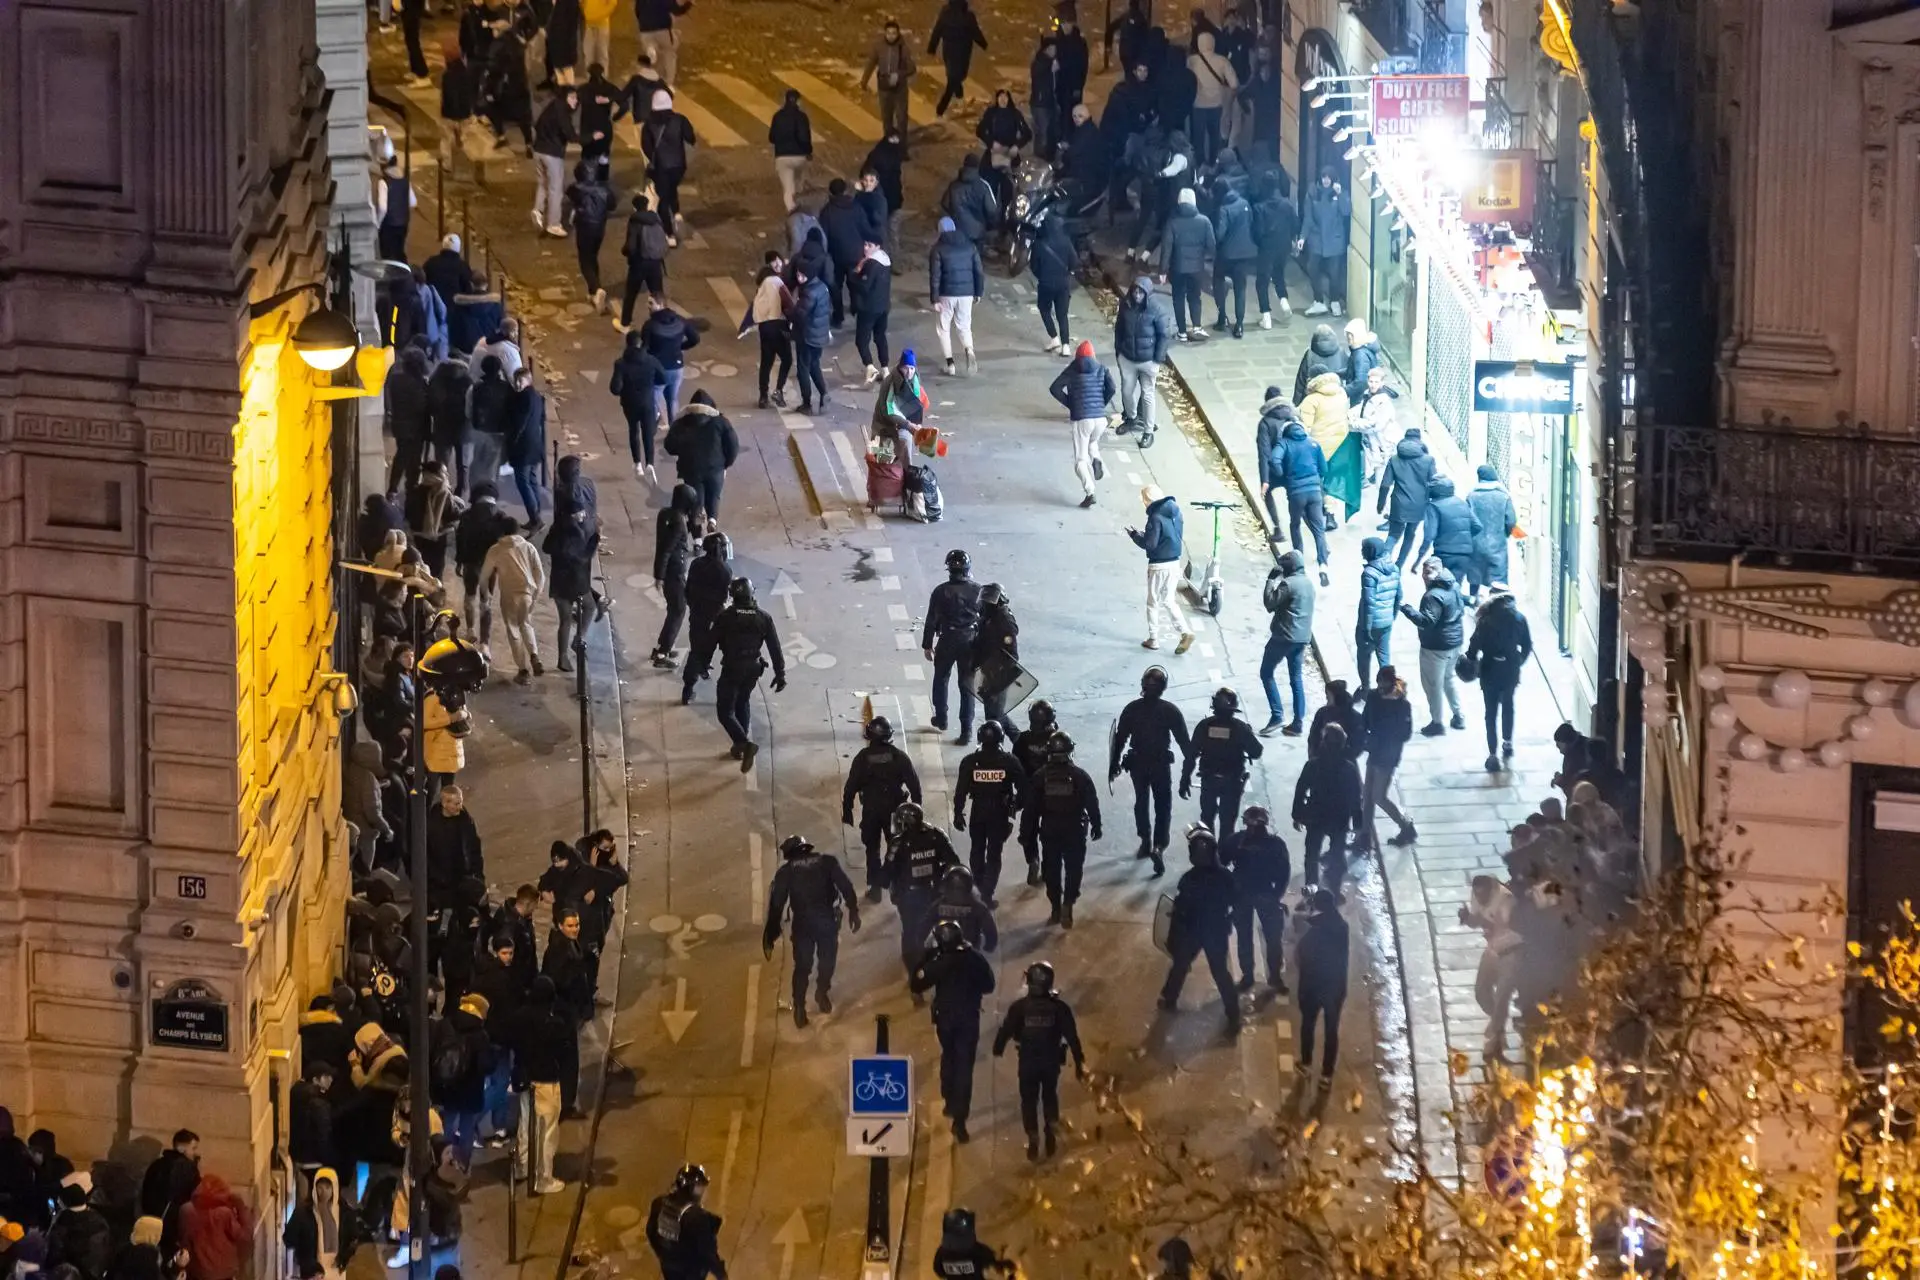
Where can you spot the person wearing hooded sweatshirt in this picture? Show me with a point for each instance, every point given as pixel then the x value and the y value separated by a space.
pixel 217 1231
pixel 891 64
pixel 790 133
pixel 1276 224
pixel 667 138
pixel 678 525
pixel 1324 354
pixel 310 1144
pixel 1300 468
pixel 602 103
pixel 970 203
pixel 704 445
pixel 1142 333
pixel 585 207
pixel 1185 246
pixel 637 378
pixel 1363 356
pixel 1215 84
pixel 1493 508
pixel 871 284
pixel 1439 621
pixel 1328 221
pixel 1289 597
pixel 812 329
pixel 540 1036
pixel 552 134
pixel 1327 805
pixel 1404 491
pixel 139 1258
pixel 646 253
pixel 1162 540
pixel 1449 528
pixel 955 278
pixel 1501 644
pixel 514 571
pixel 491 420
pixel 409 418
pixel 526 450
pixel 844 224
pixel 667 337
pixel 1237 253
pixel 1387 720
pixel 323 1231
pixel 80 1236
pixel 572 543
pixel 449 390
pixel 1320 966
pixel 432 510
pixel 707 581
pixel 1379 606
pixel 955 34
pixel 886 160
pixel 1269 448
pixel 1086 387
pixel 1003 130
pixel 1052 262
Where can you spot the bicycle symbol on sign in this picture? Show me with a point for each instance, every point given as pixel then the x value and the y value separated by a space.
pixel 882 1087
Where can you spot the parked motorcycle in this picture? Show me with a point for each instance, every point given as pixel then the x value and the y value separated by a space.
pixel 1040 194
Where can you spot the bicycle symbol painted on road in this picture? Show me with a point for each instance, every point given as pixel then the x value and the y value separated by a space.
pixel 881 1086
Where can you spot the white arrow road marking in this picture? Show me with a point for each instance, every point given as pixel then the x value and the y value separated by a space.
pixel 790 1238
pixel 754 889
pixel 752 1016
pixel 678 1018
pixel 733 303
pixel 786 588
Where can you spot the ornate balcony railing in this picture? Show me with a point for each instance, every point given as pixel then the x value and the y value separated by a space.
pixel 1394 23
pixel 1838 501
pixel 1443 51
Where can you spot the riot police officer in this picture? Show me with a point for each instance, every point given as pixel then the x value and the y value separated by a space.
pixel 882 776
pixel 919 857
pixel 1042 1024
pixel 960 978
pixel 1202 918
pixel 996 784
pixel 741 631
pixel 1223 747
pixel 1261 868
pixel 1063 808
pixel 1030 749
pixel 961 1256
pixel 1143 742
pixel 959 903
pixel 813 885
pixel 684 1235
pixel 946 638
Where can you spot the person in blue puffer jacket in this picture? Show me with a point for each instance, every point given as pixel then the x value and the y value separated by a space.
pixel 1086 387
pixel 1451 529
pixel 1380 600
pixel 812 330
pixel 1299 467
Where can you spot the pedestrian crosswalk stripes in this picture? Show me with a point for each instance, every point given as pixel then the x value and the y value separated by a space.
pixel 709 128
pixel 733 300
pixel 745 96
pixel 847 113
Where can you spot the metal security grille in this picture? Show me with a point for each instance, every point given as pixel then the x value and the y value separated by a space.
pixel 1500 425
pixel 1449 359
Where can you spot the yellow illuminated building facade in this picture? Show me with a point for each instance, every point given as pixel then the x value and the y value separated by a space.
pixel 173 862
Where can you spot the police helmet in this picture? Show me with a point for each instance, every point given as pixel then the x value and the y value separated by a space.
pixel 795 846
pixel 991 594
pixel 1225 701
pixel 992 736
pixel 907 817
pixel 947 935
pixel 1039 715
pixel 958 879
pixel 1040 978
pixel 1059 747
pixel 959 562
pixel 692 1177
pixel 740 593
pixel 1153 681
pixel 879 729
pixel 1256 816
pixel 1202 845
pixel 717 544
pixel 958 1222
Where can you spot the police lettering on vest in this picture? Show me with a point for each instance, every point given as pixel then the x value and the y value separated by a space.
pixel 989 775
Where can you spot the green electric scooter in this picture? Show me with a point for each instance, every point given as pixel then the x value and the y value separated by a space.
pixel 1205 583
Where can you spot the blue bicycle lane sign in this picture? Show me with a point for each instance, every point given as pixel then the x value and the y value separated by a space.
pixel 880 1085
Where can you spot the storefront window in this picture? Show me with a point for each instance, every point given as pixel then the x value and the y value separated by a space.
pixel 1395 291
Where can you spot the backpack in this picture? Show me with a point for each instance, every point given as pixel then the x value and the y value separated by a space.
pixel 451 1061
pixel 653 242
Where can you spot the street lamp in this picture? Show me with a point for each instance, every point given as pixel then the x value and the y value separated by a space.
pixel 326 340
pixel 450 669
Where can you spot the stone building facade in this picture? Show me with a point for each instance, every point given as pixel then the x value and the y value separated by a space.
pixel 1768 607
pixel 172 855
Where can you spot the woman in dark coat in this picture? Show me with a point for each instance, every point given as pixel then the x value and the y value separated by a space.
pixel 1502 642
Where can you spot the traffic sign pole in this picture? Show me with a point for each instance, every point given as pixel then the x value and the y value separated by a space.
pixel 878 1263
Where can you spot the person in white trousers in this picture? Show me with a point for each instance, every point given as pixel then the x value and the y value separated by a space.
pixel 1162 542
pixel 956 278
pixel 513 569
pixel 1086 387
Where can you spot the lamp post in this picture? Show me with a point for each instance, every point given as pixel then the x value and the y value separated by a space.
pixel 449 668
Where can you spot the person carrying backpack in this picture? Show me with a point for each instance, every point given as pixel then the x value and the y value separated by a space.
pixel 646 253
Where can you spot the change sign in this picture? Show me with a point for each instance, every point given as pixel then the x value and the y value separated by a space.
pixel 1511 386
pixel 1411 107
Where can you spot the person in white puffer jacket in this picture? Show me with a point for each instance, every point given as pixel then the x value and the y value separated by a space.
pixel 514 569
